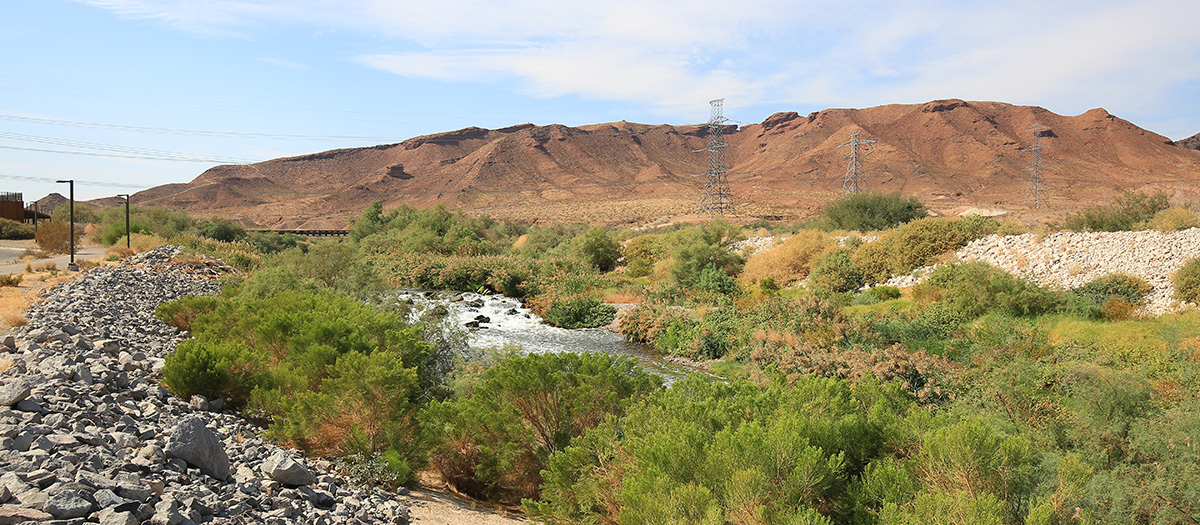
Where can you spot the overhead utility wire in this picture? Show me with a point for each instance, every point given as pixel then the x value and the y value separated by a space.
pixel 120 156
pixel 115 148
pixel 77 181
pixel 180 131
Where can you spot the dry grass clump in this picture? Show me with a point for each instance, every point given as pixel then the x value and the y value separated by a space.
pixel 1172 219
pixel 789 262
pixel 11 279
pixel 13 304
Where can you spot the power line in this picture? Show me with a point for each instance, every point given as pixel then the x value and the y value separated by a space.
pixel 77 181
pixel 180 131
pixel 117 148
pixel 120 156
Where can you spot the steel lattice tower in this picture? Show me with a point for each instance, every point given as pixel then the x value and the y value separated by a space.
pixel 716 198
pixel 1037 194
pixel 854 181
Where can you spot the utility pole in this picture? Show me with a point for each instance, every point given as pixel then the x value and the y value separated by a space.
pixel 35 218
pixel 72 266
pixel 854 182
pixel 1037 194
pixel 716 198
pixel 127 242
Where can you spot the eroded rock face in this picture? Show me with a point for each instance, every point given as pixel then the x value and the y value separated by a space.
pixel 88 433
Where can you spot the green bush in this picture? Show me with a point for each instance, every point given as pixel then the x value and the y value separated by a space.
pixel 712 452
pixel 10 229
pixel 182 312
pixel 713 279
pixel 335 375
pixel 1187 281
pixel 494 439
pixel 836 272
pixel 1114 296
pixel 872 211
pixel 1127 210
pixel 1172 219
pixel 55 236
pixel 219 229
pixel 599 249
pixel 579 311
pixel 11 279
pixel 975 288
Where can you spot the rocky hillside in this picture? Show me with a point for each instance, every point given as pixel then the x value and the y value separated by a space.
pixel 87 433
pixel 950 153
pixel 1192 142
pixel 1070 260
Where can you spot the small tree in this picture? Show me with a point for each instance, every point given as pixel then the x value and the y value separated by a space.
pixel 872 211
pixel 599 249
pixel 221 229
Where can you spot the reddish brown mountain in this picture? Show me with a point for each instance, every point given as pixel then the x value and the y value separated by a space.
pixel 948 152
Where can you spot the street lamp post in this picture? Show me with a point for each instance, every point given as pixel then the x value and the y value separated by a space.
pixel 127 242
pixel 71 267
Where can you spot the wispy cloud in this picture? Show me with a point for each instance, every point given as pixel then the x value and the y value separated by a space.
pixel 667 55
pixel 286 64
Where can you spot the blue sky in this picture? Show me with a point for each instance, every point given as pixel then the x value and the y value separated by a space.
pixel 126 94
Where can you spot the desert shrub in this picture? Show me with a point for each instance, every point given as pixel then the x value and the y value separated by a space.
pixel 712 452
pixel 10 229
pixel 11 279
pixel 693 259
pixel 494 440
pixel 1187 281
pixel 871 211
pixel 238 254
pixel 789 262
pixel 975 288
pixel 332 265
pixel 336 376
pixel 641 253
pixel 579 311
pixel 431 231
pixel 182 312
pixel 1172 219
pixel 273 242
pixel 599 249
pixel 84 214
pixel 115 231
pixel 836 272
pixel 55 236
pixel 922 242
pixel 1114 296
pixel 645 323
pixel 220 229
pixel 1127 210
pixel 714 279
pixel 550 238
pixel 884 293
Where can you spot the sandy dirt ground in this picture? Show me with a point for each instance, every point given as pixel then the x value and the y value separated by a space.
pixel 440 508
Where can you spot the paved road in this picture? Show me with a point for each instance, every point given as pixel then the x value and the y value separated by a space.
pixel 11 250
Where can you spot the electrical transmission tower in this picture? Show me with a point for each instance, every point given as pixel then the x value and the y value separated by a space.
pixel 854 181
pixel 716 198
pixel 1037 194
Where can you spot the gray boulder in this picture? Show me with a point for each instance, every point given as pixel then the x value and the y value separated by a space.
pixel 68 504
pixel 194 443
pixel 15 514
pixel 282 468
pixel 14 392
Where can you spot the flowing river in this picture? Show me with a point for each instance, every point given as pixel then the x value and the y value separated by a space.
pixel 494 321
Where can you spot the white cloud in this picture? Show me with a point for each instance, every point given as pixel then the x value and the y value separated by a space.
pixel 669 55
pixel 286 64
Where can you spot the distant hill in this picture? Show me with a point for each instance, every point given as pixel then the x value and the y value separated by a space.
pixel 48 203
pixel 950 153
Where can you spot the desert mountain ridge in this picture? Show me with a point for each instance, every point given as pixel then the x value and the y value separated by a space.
pixel 949 153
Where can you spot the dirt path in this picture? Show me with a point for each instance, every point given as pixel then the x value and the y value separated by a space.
pixel 439 508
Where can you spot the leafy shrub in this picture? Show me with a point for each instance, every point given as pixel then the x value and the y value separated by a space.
pixel 1114 296
pixel 495 439
pixel 10 229
pixel 872 211
pixel 599 249
pixel 1172 219
pixel 1187 281
pixel 432 231
pixel 579 311
pixel 789 262
pixel 1127 210
pixel 220 229
pixel 182 312
pixel 11 279
pixel 975 288
pixel 836 272
pixel 336 376
pixel 713 279
pixel 711 452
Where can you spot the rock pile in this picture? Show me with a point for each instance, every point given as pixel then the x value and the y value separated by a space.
pixel 87 435
pixel 1070 260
